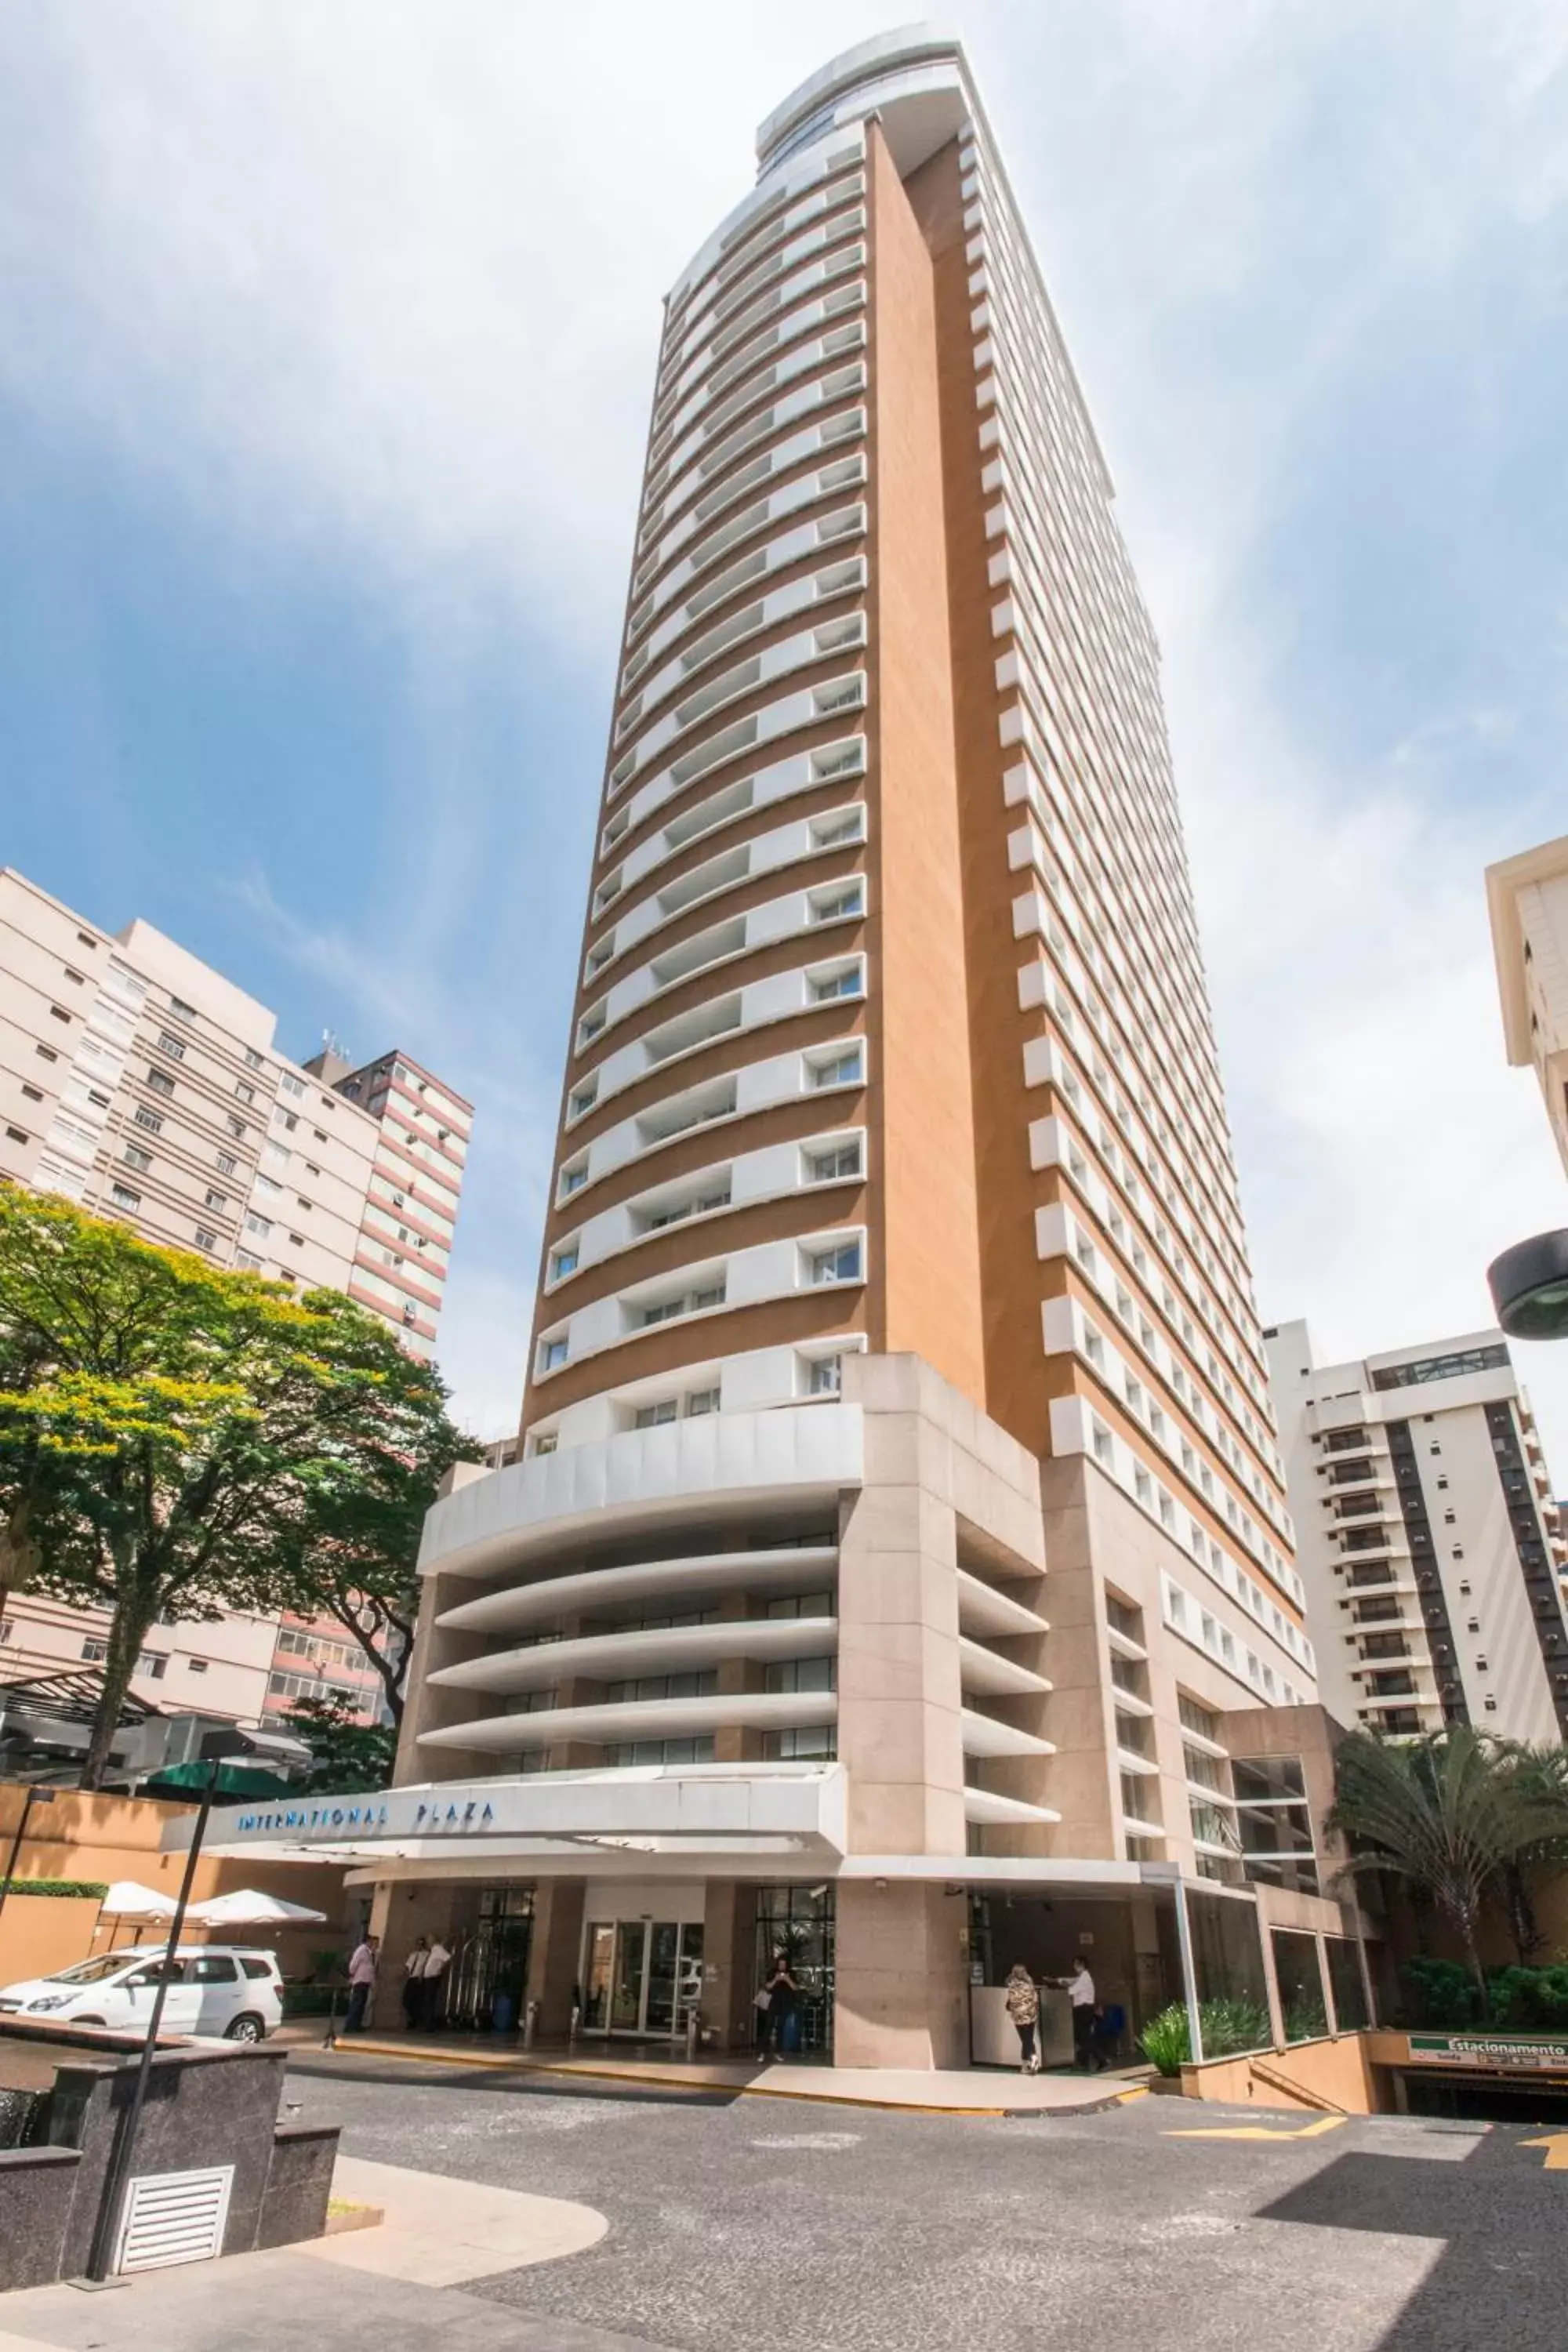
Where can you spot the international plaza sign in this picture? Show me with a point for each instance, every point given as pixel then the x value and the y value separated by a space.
pixel 383 1817
pixel 1514 2054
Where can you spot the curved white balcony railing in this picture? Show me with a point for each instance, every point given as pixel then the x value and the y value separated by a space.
pixel 763 612
pixel 835 1067
pixel 700 1576
pixel 634 1481
pixel 814 1164
pixel 617 1656
pixel 647 1718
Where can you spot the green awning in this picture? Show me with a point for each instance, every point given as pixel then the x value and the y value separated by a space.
pixel 233 1780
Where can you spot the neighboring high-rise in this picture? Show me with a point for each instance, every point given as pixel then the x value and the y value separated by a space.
pixel 140 1082
pixel 1427 1536
pixel 899 1514
pixel 1528 897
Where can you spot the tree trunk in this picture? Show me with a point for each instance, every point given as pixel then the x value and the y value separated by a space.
pixel 1473 1953
pixel 133 1613
pixel 1522 1921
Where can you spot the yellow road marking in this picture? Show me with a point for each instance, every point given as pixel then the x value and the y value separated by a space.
pixel 1556 2145
pixel 1313 2131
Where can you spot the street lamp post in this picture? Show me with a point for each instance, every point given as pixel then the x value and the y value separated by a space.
pixel 35 1795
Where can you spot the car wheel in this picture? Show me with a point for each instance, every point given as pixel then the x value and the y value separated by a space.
pixel 245 2029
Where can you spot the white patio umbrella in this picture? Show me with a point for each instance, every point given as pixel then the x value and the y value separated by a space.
pixel 127 1900
pixel 248 1907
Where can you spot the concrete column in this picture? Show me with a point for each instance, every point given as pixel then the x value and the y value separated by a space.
pixel 554 1953
pixel 901 1977
pixel 400 1915
pixel 729 1961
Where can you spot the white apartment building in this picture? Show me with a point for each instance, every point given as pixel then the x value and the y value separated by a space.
pixel 141 1084
pixel 1528 899
pixel 1427 1536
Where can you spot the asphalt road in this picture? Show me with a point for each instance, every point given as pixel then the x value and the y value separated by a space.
pixel 749 2222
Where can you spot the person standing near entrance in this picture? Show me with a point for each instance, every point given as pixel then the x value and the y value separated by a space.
pixel 414 1982
pixel 362 1980
pixel 784 2009
pixel 431 1985
pixel 1080 1992
pixel 761 2011
pixel 1024 2009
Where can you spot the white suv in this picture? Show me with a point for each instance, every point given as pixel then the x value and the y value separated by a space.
pixel 213 1989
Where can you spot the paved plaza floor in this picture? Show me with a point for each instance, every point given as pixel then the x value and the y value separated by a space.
pixel 737 2222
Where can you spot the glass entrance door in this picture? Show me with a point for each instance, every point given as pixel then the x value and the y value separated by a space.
pixel 628 1990
pixel 640 1976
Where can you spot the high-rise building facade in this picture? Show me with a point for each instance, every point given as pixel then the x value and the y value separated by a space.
pixel 1427 1536
pixel 142 1084
pixel 1527 898
pixel 899 1520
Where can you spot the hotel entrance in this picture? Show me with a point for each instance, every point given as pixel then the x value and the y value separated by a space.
pixel 641 1968
pixel 641 1976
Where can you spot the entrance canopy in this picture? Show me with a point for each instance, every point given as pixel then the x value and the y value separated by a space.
pixel 743 1823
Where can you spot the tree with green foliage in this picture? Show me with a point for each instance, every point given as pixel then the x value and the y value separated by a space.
pixel 177 1439
pixel 346 1755
pixel 1448 1815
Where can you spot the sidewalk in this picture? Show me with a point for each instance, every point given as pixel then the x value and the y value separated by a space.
pixel 970 2091
pixel 391 2289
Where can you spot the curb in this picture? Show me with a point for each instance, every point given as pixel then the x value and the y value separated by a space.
pixel 517 2063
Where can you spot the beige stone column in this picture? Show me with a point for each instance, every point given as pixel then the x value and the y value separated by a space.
pixel 898 1690
pixel 728 1962
pixel 402 1912
pixel 554 1953
pixel 902 1976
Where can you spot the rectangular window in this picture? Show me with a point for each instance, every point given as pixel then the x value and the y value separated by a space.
pixel 152 1121
pixel 840 1264
pixel 288 1084
pixel 260 1227
pixel 701 1400
pixel 551 1354
pixel 134 1157
pixel 827 1376
pixel 830 1167
pixel 654 1416
pixel 837 983
pixel 843 1070
pixel 564 1261
pixel 123 1197
pixel 252 1058
pixel 160 1082
pixel 205 1238
pixel 174 1047
pixel 235 1127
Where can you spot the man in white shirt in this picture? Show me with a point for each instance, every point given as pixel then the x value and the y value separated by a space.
pixel 430 1975
pixel 1081 1993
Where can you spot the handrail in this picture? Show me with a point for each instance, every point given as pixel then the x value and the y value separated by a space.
pixel 1277 2082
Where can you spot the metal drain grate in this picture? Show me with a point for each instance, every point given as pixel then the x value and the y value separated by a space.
pixel 173 2217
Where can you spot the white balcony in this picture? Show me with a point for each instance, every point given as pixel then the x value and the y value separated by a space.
pixel 620 1656
pixel 695 1579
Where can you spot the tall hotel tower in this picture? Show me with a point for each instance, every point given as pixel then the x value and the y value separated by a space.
pixel 897 1528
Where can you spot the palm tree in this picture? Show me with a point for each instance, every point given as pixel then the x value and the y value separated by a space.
pixel 1539 1776
pixel 1450 1814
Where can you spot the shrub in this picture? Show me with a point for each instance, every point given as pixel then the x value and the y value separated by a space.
pixel 95 1888
pixel 1441 1993
pixel 1230 2027
pixel 1531 2000
pixel 1164 2040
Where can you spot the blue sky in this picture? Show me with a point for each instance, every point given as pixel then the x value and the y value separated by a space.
pixel 328 343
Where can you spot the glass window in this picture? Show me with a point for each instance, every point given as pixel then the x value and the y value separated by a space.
pixel 212 1967
pixel 1346 1983
pixel 1227 1961
pixel 1300 1982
